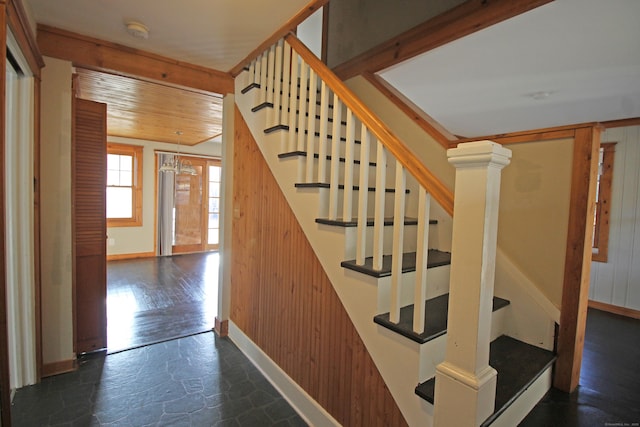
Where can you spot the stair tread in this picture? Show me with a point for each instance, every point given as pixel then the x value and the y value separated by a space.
pixel 518 364
pixel 306 132
pixel 315 156
pixel 341 186
pixel 435 322
pixel 435 258
pixel 353 222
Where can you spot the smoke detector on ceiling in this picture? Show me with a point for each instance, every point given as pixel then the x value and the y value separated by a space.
pixel 137 30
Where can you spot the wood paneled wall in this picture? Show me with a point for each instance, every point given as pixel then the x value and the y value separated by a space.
pixel 282 299
pixel 617 282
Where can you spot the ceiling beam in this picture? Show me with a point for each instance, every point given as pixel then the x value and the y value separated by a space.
pixel 98 54
pixel 462 20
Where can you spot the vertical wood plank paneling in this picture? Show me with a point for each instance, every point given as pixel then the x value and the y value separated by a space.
pixel 282 299
pixel 617 282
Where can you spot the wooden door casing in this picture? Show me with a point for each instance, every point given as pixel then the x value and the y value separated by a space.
pixel 89 164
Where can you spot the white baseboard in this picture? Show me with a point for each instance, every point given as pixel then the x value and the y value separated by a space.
pixel 314 414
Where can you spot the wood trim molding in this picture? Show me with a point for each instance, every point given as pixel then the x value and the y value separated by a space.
pixel 288 27
pixel 19 24
pixel 615 309
pixel 98 54
pixel 635 121
pixel 136 255
pixel 462 20
pixel 396 147
pixel 221 327
pixel 415 113
pixel 603 204
pixel 56 368
pixel 575 292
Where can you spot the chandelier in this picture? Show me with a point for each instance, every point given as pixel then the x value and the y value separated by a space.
pixel 176 164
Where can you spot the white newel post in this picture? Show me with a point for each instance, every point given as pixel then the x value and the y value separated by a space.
pixel 465 383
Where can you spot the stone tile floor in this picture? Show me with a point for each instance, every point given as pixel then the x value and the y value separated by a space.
pixel 201 380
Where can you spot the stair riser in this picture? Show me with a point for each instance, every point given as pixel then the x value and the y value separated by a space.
pixel 409 240
pixel 437 284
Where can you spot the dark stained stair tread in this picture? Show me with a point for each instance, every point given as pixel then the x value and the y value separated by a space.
pixel 518 364
pixel 435 322
pixel 315 156
pixel 339 222
pixel 341 186
pixel 435 258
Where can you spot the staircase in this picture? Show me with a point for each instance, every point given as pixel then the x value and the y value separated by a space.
pixel 374 216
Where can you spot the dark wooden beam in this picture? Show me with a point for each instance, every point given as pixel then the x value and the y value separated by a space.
pixel 575 291
pixel 289 26
pixel 635 121
pixel 462 20
pixel 102 55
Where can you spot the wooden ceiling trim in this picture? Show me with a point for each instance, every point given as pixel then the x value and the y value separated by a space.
pixel 462 20
pixel 21 30
pixel 289 26
pixel 635 121
pixel 543 134
pixel 100 54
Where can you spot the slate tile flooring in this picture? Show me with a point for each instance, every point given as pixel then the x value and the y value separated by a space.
pixel 200 380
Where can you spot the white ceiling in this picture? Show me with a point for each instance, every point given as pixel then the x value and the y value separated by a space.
pixel 216 34
pixel 584 53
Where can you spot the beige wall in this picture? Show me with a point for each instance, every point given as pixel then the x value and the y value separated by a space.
pixel 534 205
pixel 534 212
pixel 132 240
pixel 57 326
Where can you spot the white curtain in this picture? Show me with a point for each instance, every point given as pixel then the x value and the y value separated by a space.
pixel 166 193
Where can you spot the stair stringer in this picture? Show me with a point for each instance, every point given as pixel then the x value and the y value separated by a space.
pixel 397 359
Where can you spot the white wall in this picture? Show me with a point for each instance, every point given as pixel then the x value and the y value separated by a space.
pixel 134 240
pixel 310 32
pixel 617 281
pixel 55 200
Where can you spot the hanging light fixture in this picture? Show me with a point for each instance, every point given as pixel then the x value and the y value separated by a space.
pixel 176 164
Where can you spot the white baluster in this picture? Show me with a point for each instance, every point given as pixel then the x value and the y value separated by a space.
pixel 271 80
pixel 263 78
pixel 378 220
pixel 335 157
pixel 398 243
pixel 286 78
pixel 422 251
pixel 363 196
pixel 324 125
pixel 311 124
pixel 251 75
pixel 347 203
pixel 293 100
pixel 302 104
pixel 277 87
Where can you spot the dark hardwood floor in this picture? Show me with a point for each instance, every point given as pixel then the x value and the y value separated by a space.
pixel 609 390
pixel 155 299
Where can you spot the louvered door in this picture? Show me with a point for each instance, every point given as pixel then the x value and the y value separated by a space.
pixel 89 225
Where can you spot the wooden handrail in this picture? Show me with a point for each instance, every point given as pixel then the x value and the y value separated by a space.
pixel 396 147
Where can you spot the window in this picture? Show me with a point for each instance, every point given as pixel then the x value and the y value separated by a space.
pixel 603 203
pixel 124 185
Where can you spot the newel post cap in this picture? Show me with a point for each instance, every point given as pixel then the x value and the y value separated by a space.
pixel 479 153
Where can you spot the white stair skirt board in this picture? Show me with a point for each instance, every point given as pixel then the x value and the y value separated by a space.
pixel 302 403
pixel 526 401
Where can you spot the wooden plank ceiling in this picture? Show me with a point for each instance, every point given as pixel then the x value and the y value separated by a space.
pixel 152 111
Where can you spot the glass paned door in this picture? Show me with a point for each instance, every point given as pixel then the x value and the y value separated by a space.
pixel 213 205
pixel 188 218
